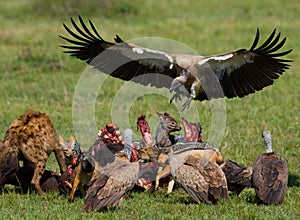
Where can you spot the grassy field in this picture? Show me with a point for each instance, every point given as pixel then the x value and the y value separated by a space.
pixel 35 74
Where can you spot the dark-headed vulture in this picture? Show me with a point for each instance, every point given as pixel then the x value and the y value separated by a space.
pixel 234 74
pixel 270 175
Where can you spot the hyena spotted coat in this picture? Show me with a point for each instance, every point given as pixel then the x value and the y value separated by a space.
pixel 30 138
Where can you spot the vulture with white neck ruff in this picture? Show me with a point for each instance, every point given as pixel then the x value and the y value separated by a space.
pixel 234 74
pixel 270 175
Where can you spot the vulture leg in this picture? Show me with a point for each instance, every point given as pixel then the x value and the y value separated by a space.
pixel 177 85
pixel 175 97
pixel 187 103
pixel 192 96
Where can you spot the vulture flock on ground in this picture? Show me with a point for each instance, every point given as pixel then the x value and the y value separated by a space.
pixel 116 164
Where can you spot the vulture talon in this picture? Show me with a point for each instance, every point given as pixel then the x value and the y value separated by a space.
pixel 187 104
pixel 176 97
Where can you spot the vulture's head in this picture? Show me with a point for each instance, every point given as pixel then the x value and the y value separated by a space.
pixel 87 162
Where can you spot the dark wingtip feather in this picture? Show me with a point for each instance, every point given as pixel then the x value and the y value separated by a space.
pixel 270 46
pixel 95 30
pixel 87 43
pixel 282 54
pixel 118 39
pixel 76 35
pixel 268 41
pixel 84 34
pixel 255 42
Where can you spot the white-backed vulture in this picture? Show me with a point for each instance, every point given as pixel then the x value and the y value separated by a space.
pixel 202 179
pixel 234 74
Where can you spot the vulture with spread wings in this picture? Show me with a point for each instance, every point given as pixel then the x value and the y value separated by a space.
pixel 234 74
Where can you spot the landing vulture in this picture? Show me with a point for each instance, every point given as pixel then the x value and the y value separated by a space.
pixel 234 74
pixel 270 175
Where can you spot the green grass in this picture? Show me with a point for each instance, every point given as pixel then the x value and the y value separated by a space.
pixel 34 73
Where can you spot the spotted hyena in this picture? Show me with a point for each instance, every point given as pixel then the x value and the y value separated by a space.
pixel 30 138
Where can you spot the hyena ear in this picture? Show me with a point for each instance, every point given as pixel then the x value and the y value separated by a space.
pixel 72 139
pixel 160 116
pixel 166 114
pixel 61 140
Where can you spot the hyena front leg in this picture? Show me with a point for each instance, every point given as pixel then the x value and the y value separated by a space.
pixel 39 168
pixel 60 157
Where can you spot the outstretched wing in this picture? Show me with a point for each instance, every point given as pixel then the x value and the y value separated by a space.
pixel 244 71
pixel 120 59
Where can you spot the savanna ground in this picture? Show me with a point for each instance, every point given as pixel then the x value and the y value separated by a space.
pixel 35 74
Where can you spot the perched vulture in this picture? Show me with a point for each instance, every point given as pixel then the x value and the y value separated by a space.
pixel 202 179
pixel 109 145
pixel 270 175
pixel 115 176
pixel 180 151
pixel 234 74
